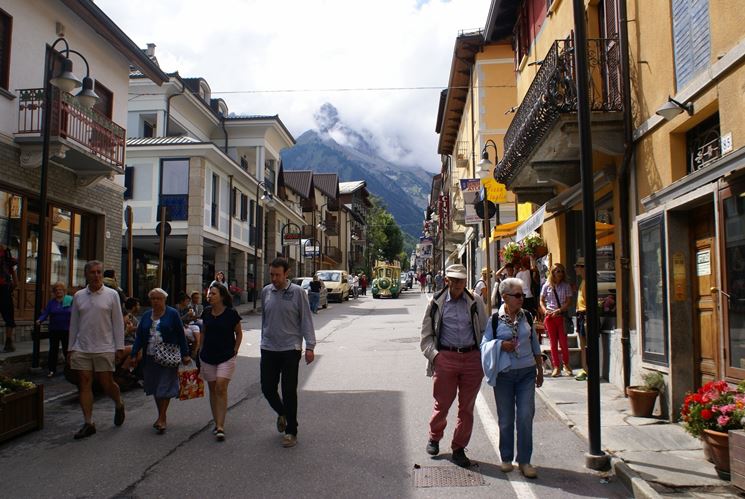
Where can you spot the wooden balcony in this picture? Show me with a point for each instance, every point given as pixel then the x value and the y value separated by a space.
pixel 81 139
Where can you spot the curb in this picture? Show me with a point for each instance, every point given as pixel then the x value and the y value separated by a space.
pixel 633 482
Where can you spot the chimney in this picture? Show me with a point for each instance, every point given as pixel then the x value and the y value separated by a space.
pixel 150 50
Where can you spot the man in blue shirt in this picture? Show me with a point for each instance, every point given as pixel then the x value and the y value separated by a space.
pixel 451 334
pixel 285 322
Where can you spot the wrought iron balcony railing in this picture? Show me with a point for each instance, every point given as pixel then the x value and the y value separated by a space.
pixel 94 133
pixel 553 93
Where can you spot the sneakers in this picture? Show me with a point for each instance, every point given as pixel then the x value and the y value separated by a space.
pixel 568 371
pixel 119 415
pixel 86 430
pixel 289 441
pixel 506 466
pixel 460 458
pixel 528 471
pixel 281 424
pixel 433 448
pixel 555 373
pixel 220 435
pixel 582 376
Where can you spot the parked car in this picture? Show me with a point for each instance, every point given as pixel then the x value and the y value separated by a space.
pixel 304 282
pixel 404 282
pixel 336 283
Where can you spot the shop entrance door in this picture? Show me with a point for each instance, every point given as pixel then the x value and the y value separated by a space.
pixel 705 321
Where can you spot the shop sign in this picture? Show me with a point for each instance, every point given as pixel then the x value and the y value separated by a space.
pixel 703 262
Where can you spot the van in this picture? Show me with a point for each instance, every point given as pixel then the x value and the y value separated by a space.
pixel 336 283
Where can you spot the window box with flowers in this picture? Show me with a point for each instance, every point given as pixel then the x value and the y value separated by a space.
pixel 21 407
pixel 709 414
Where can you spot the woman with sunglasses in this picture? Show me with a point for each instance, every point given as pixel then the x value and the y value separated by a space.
pixel 556 298
pixel 513 365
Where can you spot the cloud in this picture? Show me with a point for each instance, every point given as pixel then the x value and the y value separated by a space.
pixel 315 48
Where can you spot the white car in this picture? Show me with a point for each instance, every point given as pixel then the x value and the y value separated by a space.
pixel 304 282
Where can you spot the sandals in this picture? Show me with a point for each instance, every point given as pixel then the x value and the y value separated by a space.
pixel 219 434
pixel 160 429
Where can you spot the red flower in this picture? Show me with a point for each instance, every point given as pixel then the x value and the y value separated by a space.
pixel 706 414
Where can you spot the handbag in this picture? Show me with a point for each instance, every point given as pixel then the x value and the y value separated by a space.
pixel 167 354
pixel 190 384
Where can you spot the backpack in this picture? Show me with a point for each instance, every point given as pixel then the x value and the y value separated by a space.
pixel 495 319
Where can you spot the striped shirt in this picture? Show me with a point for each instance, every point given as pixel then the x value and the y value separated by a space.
pixel 563 289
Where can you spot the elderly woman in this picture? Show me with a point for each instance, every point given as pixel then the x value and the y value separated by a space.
pixel 162 325
pixel 221 340
pixel 513 365
pixel 58 312
pixel 556 298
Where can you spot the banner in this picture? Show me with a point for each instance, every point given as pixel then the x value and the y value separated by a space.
pixel 532 224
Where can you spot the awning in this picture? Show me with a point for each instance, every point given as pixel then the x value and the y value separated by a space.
pixel 605 234
pixel 506 230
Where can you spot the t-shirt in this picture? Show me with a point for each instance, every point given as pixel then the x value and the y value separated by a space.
pixel 525 277
pixel 218 342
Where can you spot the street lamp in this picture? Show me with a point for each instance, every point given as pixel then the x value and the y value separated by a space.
pixel 66 81
pixel 302 253
pixel 485 166
pixel 269 203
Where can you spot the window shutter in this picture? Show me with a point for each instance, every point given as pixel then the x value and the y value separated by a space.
pixel 129 178
pixel 691 39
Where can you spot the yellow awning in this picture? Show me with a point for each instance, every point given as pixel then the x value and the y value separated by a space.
pixel 506 230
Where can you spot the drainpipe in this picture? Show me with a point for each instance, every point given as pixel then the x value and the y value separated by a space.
pixel 623 188
pixel 168 107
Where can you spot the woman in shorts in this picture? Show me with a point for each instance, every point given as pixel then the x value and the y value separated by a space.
pixel 221 338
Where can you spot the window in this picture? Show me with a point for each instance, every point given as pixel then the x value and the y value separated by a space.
pixel 6 29
pixel 702 144
pixel 252 223
pixel 129 179
pixel 214 211
pixel 244 207
pixel 174 187
pixel 530 19
pixel 734 301
pixel 652 264
pixel 105 103
pixel 234 202
pixel 148 129
pixel 691 39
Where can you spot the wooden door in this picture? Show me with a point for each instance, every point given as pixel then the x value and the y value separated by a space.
pixel 705 321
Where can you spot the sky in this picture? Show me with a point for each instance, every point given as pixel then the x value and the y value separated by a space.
pixel 289 57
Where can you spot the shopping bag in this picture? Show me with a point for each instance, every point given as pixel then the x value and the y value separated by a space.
pixel 190 384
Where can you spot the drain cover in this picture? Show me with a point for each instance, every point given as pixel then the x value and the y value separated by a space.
pixel 446 476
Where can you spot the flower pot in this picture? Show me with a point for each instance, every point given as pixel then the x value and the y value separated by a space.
pixel 642 401
pixel 21 412
pixel 718 448
pixel 540 251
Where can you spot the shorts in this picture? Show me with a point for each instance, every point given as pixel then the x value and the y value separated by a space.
pixel 96 362
pixel 6 305
pixel 210 372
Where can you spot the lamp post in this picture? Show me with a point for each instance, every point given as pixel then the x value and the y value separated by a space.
pixel 66 81
pixel 485 167
pixel 269 202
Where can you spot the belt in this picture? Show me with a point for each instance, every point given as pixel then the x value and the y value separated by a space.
pixel 458 349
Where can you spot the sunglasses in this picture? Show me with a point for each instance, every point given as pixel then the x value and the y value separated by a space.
pixel 558 271
pixel 519 296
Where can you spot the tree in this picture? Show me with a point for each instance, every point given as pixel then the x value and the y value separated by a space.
pixel 385 240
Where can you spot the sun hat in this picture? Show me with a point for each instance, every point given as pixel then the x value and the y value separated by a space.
pixel 456 271
pixel 580 262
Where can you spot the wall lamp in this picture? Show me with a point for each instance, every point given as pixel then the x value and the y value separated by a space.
pixel 673 108
pixel 485 165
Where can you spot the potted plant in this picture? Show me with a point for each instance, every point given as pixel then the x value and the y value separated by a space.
pixel 643 397
pixel 511 252
pixel 21 407
pixel 709 414
pixel 533 244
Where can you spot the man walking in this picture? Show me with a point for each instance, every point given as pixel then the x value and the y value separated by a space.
pixel 8 282
pixel 285 322
pixel 451 334
pixel 96 342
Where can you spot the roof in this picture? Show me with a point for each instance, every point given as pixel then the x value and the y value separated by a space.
pixel 257 117
pixel 91 14
pixel 501 19
pixel 300 181
pixel 350 187
pixel 162 141
pixel 467 45
pixel 327 183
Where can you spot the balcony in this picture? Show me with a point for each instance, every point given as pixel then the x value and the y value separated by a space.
pixel 81 140
pixel 333 253
pixel 542 142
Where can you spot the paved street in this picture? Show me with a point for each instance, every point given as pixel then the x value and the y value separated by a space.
pixel 364 407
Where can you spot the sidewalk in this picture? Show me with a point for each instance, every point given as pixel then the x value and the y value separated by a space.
pixel 651 457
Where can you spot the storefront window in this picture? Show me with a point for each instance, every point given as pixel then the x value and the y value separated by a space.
pixel 734 233
pixel 60 257
pixel 84 246
pixel 10 221
pixel 653 291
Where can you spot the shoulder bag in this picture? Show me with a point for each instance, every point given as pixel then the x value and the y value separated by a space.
pixel 167 354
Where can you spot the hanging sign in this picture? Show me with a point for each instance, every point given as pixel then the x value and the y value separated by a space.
pixel 532 224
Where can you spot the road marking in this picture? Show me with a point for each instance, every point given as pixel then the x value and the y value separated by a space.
pixel 491 427
pixel 61 395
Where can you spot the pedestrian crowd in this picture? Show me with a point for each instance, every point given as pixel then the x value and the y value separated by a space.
pixel 463 345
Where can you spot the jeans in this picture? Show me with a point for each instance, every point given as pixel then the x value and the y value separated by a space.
pixel 55 338
pixel 515 389
pixel 455 374
pixel 284 365
pixel 314 298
